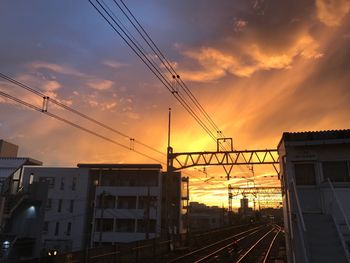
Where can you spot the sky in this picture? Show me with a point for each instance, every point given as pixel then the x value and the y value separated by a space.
pixel 258 67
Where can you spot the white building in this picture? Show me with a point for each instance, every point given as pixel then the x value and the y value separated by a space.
pixel 315 178
pixel 65 206
pixel 127 202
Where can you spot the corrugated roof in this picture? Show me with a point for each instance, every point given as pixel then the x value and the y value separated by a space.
pixel 316 135
pixel 120 166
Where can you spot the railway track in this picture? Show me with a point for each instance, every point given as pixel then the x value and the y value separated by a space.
pixel 206 252
pixel 255 245
pixel 260 249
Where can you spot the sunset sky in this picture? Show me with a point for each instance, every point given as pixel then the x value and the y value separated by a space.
pixel 258 67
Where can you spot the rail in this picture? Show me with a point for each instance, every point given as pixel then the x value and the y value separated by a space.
pixel 302 232
pixel 197 251
pixel 342 213
pixel 270 247
pixel 252 247
pixel 340 207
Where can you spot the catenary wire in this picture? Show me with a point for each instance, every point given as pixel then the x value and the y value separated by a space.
pixel 137 50
pixel 75 125
pixel 40 94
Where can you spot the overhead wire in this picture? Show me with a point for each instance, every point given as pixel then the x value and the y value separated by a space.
pixel 8 96
pixel 70 109
pixel 167 65
pixel 36 108
pixel 163 60
pixel 144 58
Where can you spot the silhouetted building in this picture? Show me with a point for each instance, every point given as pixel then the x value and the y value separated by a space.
pixel 126 202
pixel 64 207
pixel 18 208
pixel 8 149
pixel 203 217
pixel 315 179
pixel 71 208
pixel 244 210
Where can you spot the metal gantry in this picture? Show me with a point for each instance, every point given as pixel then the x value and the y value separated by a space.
pixel 227 159
pixel 263 194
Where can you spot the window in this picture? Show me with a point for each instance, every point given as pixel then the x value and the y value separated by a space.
pixel 143 225
pixel 143 202
pixel 62 183
pixel 50 180
pixel 305 174
pixel 69 228
pixel 129 178
pixel 106 201
pixel 104 225
pixel 71 206
pixel 59 209
pixel 127 202
pixel 337 171
pixel 46 227
pixel 57 228
pixel 125 225
pixel 74 183
pixel 49 203
pixel 31 178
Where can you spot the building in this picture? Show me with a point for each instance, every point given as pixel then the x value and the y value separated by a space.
pixel 204 217
pixel 64 207
pixel 73 208
pixel 17 207
pixel 315 179
pixel 8 149
pixel 244 210
pixel 127 202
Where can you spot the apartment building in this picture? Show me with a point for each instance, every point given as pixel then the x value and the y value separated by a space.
pixel 127 202
pixel 64 208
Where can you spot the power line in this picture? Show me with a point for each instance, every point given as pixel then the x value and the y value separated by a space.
pixel 56 102
pixel 137 48
pixel 29 105
pixel 166 62
pixel 75 125
pixel 144 58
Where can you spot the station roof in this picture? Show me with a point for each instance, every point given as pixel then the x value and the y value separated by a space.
pixel 119 166
pixel 315 136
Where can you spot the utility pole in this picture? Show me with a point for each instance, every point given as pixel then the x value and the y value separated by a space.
pixel 147 214
pixel 102 214
pixel 166 179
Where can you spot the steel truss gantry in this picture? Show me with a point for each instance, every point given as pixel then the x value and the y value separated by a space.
pixel 254 190
pixel 227 159
pixel 267 195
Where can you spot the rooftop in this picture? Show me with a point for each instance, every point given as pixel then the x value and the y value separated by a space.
pixel 119 166
pixel 315 136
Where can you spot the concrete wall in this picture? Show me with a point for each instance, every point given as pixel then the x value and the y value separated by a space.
pixel 61 192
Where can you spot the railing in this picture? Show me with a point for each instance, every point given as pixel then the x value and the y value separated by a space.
pixel 302 228
pixel 12 202
pixel 338 208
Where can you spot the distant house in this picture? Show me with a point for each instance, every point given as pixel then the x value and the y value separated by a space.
pixel 203 217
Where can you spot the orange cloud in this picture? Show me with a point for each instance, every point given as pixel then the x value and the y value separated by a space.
pixel 331 12
pixel 216 64
pixel 101 84
pixel 56 68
